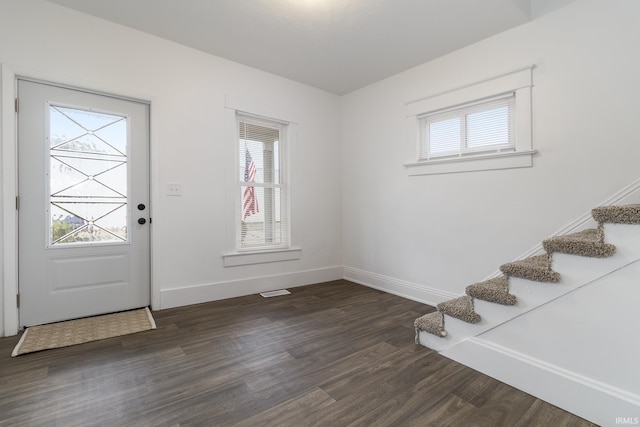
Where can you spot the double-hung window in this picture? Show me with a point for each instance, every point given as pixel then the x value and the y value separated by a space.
pixel 262 213
pixel 480 127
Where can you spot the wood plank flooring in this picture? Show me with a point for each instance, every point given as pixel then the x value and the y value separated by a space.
pixel 331 354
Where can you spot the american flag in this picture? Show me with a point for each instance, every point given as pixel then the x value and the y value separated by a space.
pixel 249 201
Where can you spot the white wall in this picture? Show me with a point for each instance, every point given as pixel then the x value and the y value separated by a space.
pixel 428 237
pixel 187 90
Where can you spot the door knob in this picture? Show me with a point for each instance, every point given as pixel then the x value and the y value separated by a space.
pixel 141 221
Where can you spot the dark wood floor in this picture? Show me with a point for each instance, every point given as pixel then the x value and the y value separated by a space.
pixel 332 354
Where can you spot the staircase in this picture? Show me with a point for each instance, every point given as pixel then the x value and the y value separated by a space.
pixel 561 325
pixel 494 302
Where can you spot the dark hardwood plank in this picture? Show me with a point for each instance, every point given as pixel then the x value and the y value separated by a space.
pixel 505 407
pixel 330 354
pixel 411 404
pixel 477 389
pixel 291 411
pixel 544 414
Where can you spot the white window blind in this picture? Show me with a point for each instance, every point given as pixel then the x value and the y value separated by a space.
pixel 263 215
pixel 484 126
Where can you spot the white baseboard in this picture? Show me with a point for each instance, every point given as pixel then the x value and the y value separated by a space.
pixel 196 294
pixel 412 291
pixel 593 400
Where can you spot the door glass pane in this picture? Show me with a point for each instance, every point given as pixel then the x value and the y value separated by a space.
pixel 87 176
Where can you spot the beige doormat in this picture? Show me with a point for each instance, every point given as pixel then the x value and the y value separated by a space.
pixel 72 332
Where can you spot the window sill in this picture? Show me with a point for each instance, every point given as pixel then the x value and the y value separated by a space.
pixel 481 162
pixel 232 259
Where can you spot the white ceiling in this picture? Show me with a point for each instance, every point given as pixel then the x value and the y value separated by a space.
pixel 335 45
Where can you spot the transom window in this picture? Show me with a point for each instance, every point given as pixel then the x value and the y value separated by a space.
pixel 479 126
pixel 485 126
pixel 263 215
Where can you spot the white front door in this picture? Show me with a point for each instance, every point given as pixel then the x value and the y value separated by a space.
pixel 83 185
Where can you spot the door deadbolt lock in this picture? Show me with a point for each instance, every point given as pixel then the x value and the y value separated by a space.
pixel 141 207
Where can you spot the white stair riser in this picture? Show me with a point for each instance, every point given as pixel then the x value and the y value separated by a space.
pixel 435 343
pixel 458 330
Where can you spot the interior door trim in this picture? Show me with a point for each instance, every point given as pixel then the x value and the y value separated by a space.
pixel 8 89
pixel 81 89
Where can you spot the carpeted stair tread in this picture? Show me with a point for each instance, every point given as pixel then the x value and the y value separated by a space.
pixel 625 214
pixel 432 323
pixel 535 268
pixel 587 243
pixel 460 308
pixel 494 290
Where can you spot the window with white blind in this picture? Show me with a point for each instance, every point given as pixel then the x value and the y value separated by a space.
pixel 262 210
pixel 479 126
pixel 258 135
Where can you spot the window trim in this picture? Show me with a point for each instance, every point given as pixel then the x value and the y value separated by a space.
pixel 519 82
pixel 232 259
pixel 232 256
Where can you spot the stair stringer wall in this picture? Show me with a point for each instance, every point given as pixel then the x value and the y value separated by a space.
pixel 629 194
pixel 579 349
pixel 575 272
pixel 531 294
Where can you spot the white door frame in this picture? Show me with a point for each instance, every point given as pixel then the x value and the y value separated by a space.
pixel 9 228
